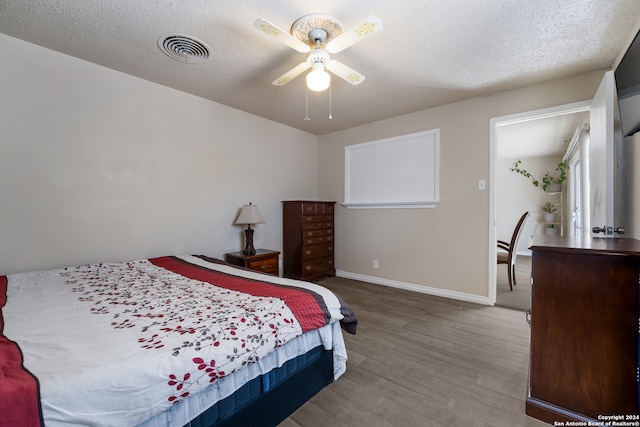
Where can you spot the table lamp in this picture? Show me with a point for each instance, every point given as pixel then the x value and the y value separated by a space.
pixel 250 214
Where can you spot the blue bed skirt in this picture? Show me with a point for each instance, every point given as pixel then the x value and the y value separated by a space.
pixel 269 399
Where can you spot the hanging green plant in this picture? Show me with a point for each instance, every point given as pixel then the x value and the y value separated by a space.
pixel 547 179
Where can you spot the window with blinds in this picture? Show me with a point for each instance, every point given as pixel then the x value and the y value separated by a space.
pixel 399 172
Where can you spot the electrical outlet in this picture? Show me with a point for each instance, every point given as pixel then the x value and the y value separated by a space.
pixel 375 264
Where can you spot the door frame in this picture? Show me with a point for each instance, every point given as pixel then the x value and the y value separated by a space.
pixel 575 196
pixel 494 123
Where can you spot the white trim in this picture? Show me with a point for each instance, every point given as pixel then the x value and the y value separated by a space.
pixel 559 110
pixel 575 140
pixel 493 239
pixel 389 205
pixel 477 299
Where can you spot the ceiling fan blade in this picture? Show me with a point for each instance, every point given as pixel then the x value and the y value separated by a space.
pixel 342 71
pixel 292 74
pixel 363 29
pixel 286 38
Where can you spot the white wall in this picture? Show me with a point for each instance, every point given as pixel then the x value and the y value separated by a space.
pixel 445 250
pixel 96 165
pixel 516 194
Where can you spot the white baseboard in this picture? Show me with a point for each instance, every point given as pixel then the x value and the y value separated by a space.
pixel 416 288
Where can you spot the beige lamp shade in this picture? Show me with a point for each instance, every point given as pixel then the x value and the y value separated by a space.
pixel 250 214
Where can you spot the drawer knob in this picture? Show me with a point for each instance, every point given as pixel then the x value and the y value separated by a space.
pixel 330 262
pixel 308 267
pixel 308 252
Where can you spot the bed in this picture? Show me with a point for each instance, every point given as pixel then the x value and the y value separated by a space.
pixel 167 341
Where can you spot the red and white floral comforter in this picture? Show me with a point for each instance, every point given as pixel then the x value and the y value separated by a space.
pixel 117 343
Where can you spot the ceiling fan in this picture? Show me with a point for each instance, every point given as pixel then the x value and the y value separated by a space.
pixel 318 35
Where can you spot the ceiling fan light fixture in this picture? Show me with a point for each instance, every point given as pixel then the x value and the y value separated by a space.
pixel 318 79
pixel 317 35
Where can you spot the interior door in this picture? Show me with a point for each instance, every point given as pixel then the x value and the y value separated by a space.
pixel 601 158
pixel 623 180
pixel 610 200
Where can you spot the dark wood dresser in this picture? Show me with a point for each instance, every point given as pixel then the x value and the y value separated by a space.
pixel 584 329
pixel 308 238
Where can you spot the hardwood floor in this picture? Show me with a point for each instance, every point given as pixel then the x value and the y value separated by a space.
pixel 419 360
pixel 520 297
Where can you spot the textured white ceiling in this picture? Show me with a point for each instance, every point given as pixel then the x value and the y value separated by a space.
pixel 429 53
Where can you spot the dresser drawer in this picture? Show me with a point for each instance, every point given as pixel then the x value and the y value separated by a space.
pixel 269 265
pixel 264 260
pixel 317 208
pixel 317 240
pixel 317 233
pixel 317 266
pixel 317 251
pixel 317 218
pixel 317 225
pixel 311 209
pixel 327 208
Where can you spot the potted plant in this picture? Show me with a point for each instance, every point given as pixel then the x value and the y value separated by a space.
pixel 548 182
pixel 551 230
pixel 549 212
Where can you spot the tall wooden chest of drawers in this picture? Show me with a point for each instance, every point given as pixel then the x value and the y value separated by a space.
pixel 308 238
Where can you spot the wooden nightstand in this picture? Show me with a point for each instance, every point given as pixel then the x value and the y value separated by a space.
pixel 264 260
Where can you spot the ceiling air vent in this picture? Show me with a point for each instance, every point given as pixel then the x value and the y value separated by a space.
pixel 184 48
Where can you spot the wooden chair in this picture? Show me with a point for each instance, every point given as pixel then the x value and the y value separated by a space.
pixel 509 257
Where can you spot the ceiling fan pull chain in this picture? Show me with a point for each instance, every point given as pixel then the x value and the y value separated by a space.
pixel 306 92
pixel 330 116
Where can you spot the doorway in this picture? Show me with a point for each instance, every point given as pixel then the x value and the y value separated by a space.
pixel 502 213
